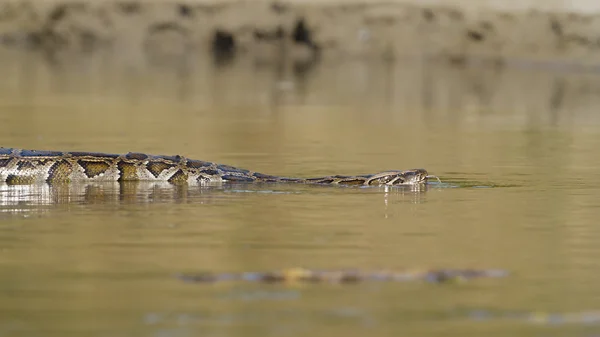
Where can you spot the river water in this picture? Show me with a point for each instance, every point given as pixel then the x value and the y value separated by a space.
pixel 515 147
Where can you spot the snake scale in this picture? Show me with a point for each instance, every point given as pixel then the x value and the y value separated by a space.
pixel 22 167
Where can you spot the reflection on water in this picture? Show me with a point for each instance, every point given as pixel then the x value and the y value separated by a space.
pixel 516 149
pixel 29 198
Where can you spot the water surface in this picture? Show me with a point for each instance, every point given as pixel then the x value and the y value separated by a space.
pixel 515 149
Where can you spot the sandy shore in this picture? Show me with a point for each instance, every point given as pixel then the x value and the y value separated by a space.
pixel 331 29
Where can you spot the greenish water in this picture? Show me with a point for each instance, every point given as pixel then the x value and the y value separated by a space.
pixel 516 150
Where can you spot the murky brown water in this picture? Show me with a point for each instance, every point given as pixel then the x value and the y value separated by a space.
pixel 517 150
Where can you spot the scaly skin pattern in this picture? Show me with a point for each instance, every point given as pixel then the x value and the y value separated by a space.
pixel 23 167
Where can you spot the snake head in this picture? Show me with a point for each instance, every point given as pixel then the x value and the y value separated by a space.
pixel 408 177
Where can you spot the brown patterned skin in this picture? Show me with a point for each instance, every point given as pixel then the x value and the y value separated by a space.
pixel 19 167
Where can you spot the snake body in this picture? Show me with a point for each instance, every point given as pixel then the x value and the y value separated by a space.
pixel 22 167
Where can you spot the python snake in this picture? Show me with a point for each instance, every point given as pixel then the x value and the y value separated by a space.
pixel 23 167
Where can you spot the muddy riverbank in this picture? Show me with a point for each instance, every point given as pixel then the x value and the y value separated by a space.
pixel 271 30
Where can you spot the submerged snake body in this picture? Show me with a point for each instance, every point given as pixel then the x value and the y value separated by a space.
pixel 301 275
pixel 18 167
